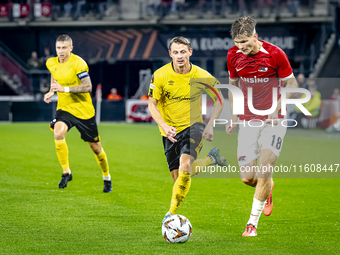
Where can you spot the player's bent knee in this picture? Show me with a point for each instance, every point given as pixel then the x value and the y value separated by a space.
pixel 60 130
pixel 248 181
pixel 185 163
pixel 174 174
pixel 59 135
pixel 184 167
pixel 96 147
pixel 267 157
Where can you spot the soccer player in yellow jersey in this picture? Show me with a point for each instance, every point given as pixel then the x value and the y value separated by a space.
pixel 178 113
pixel 70 79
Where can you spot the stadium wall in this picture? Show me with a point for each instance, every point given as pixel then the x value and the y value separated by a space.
pixel 32 111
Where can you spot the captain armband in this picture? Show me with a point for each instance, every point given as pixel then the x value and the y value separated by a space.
pixel 83 75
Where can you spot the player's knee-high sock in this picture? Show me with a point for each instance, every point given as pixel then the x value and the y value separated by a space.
pixel 62 152
pixel 104 165
pixel 180 189
pixel 256 211
pixel 199 164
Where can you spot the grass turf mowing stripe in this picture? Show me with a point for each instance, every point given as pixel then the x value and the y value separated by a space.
pixel 38 218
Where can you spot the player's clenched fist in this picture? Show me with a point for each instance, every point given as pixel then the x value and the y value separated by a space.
pixel 47 96
pixel 230 127
pixel 208 133
pixel 170 132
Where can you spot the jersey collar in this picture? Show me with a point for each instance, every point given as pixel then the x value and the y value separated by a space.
pixel 261 49
pixel 172 68
pixel 71 55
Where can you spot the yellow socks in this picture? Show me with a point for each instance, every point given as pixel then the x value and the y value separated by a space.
pixel 199 164
pixel 180 189
pixel 62 152
pixel 103 163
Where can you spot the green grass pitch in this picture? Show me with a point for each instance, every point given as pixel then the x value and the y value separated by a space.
pixel 36 217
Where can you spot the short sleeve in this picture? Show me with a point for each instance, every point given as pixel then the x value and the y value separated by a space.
pixel 207 83
pixel 82 70
pixel 231 69
pixel 212 81
pixel 49 62
pixel 216 89
pixel 156 86
pixel 284 69
pixel 215 83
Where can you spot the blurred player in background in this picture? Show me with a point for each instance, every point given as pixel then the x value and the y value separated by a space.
pixel 178 114
pixel 261 64
pixel 71 80
pixel 114 96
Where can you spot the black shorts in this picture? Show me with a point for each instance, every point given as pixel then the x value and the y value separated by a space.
pixel 87 128
pixel 189 141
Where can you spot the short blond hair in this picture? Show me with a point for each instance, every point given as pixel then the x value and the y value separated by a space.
pixel 64 38
pixel 180 40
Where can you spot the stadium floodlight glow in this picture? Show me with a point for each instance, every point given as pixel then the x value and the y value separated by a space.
pixel 238 100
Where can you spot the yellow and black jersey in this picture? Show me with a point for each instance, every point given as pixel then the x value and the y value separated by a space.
pixel 69 74
pixel 179 95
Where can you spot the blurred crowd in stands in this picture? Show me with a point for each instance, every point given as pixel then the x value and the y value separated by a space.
pixel 40 82
pixel 156 9
pixel 35 63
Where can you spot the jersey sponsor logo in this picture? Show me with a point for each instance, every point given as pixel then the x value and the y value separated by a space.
pixel 152 86
pixel 263 69
pixel 180 98
pixel 83 75
pixel 65 84
pixel 242 158
pixel 184 98
pixel 255 80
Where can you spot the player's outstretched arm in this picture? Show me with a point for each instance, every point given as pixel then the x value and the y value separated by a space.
pixel 218 107
pixel 231 126
pixel 169 131
pixel 290 83
pixel 85 86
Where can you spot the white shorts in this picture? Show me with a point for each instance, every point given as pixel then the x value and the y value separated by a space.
pixel 251 140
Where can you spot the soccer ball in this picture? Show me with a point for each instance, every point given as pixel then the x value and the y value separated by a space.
pixel 176 229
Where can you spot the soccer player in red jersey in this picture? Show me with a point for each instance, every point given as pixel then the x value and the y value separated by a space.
pixel 261 66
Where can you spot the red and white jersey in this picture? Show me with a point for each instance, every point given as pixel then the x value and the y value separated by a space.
pixel 262 71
